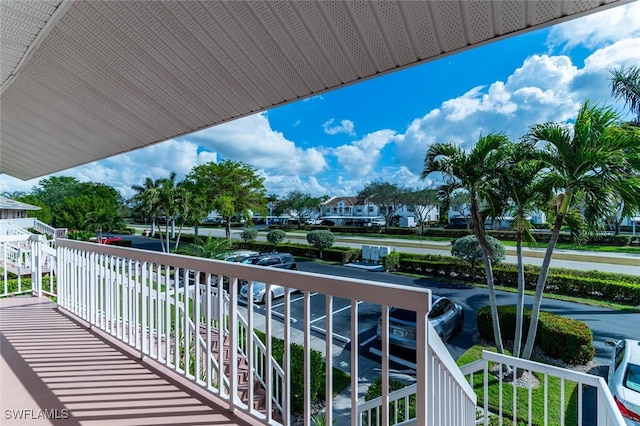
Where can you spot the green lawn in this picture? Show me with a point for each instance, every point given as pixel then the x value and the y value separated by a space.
pixel 553 389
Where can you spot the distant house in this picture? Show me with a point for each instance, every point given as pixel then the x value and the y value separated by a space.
pixel 348 211
pixel 12 209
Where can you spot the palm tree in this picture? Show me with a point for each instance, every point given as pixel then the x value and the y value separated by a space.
pixel 101 220
pixel 146 200
pixel 521 191
pixel 475 172
pixel 625 84
pixel 586 166
pixel 208 248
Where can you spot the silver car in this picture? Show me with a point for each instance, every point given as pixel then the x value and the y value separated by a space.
pixel 259 290
pixel 445 316
pixel 624 378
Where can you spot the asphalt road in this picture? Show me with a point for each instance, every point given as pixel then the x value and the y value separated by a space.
pixel 605 323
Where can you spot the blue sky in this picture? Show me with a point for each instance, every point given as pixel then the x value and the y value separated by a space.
pixel 337 142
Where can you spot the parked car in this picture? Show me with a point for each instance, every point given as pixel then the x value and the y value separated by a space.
pixel 274 260
pixel 313 222
pixel 327 222
pixel 624 378
pixel 377 222
pixel 109 240
pixel 237 256
pixel 259 290
pixel 445 316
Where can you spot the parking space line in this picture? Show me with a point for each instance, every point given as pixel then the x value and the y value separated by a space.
pixel 334 312
pixel 336 336
pixel 369 340
pixel 395 359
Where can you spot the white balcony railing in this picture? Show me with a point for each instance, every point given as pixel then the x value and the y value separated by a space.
pixel 135 296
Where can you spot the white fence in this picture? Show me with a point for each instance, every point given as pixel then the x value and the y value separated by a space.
pixel 28 257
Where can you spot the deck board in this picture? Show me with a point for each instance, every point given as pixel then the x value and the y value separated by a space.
pixel 50 362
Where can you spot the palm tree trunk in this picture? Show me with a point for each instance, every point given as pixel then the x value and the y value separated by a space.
pixel 478 226
pixel 517 341
pixel 495 320
pixel 542 279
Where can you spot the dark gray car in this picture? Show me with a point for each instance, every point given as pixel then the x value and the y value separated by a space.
pixel 445 316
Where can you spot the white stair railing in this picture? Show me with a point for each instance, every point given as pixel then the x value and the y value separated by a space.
pixel 452 399
pixel 570 401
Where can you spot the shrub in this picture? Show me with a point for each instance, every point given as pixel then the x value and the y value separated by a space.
pixel 351 255
pixel 80 235
pixel 249 235
pixel 276 236
pixel 375 391
pixel 297 370
pixel 468 248
pixel 559 337
pixel 391 261
pixel 321 239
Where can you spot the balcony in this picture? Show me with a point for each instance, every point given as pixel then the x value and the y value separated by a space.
pixel 156 338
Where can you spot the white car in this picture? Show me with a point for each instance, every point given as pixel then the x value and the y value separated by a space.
pixel 259 290
pixel 624 378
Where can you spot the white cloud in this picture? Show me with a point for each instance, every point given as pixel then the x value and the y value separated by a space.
pixel 345 126
pixel 597 29
pixel 545 88
pixel 252 140
pixel 360 158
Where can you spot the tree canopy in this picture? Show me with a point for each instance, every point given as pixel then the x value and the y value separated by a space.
pixel 387 196
pixel 230 187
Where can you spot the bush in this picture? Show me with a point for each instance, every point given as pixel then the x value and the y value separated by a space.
pixel 375 391
pixel 351 255
pixel 468 248
pixel 80 235
pixel 391 261
pixel 559 337
pixel 276 236
pixel 297 370
pixel 249 235
pixel 321 239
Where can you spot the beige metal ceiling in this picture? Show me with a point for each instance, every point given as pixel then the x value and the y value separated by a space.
pixel 84 80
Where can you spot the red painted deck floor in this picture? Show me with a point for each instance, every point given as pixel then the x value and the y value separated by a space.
pixel 52 366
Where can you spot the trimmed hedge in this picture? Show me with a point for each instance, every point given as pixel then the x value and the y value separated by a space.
pixel 588 284
pixel 332 254
pixel 559 337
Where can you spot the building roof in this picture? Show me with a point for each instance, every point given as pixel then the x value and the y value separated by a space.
pixel 348 201
pixel 9 204
pixel 85 80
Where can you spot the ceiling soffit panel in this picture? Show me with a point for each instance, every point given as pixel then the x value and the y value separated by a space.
pixel 85 80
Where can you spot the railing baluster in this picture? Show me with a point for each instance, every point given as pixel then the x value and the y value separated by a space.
pixel 269 345
pixel 385 364
pixel 328 339
pixel 307 357
pixel 286 405
pixel 355 356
